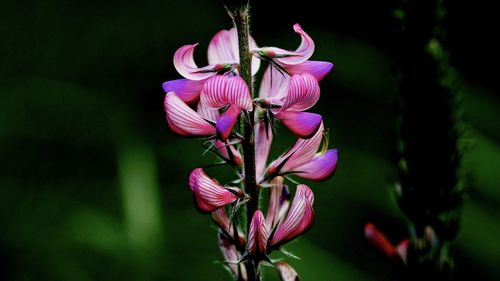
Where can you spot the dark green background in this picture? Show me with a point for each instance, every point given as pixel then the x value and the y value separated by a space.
pixel 93 186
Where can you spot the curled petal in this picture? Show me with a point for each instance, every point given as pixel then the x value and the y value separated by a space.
pixel 223 49
pixel 226 122
pixel 185 65
pixel 318 69
pixel 379 241
pixel 263 141
pixel 257 235
pixel 301 153
pixel 222 90
pixel 279 201
pixel 274 84
pixel 232 257
pixel 303 124
pixel 299 219
pixel 183 120
pixel 210 195
pixel 187 90
pixel 303 93
pixel 287 273
pixel 321 167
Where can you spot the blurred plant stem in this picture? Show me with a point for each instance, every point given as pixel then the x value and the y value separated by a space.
pixel 430 184
pixel 239 12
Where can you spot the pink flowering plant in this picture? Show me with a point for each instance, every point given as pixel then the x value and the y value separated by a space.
pixel 219 103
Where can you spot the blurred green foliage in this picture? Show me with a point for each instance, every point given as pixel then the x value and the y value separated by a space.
pixel 94 187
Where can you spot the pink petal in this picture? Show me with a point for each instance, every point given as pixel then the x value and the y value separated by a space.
pixel 379 241
pixel 221 219
pixel 187 90
pixel 287 273
pixel 299 219
pixel 274 84
pixel 263 141
pixel 318 69
pixel 279 201
pixel 223 49
pixel 222 90
pixel 301 153
pixel 320 168
pixel 185 65
pixel 303 93
pixel 183 120
pixel 223 149
pixel 210 195
pixel 232 257
pixel 402 249
pixel 207 112
pixel 257 235
pixel 303 124
pixel 226 122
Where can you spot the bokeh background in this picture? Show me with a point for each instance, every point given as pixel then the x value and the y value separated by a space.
pixel 93 186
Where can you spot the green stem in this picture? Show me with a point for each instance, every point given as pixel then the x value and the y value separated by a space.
pixel 241 21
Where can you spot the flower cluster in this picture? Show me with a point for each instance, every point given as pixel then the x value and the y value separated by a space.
pixel 211 100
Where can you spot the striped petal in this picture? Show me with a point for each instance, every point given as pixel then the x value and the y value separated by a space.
pixel 263 141
pixel 301 153
pixel 185 65
pixel 302 54
pixel 207 112
pixel 318 69
pixel 303 124
pixel 210 195
pixel 222 90
pixel 299 219
pixel 303 93
pixel 321 167
pixel 187 90
pixel 287 273
pixel 274 84
pixel 223 49
pixel 257 235
pixel 279 201
pixel 184 121
pixel 226 122
pixel 232 257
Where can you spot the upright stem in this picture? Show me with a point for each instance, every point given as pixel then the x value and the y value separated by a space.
pixel 241 21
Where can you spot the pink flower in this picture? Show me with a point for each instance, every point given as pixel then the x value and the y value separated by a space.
pixel 288 97
pixel 232 257
pixel 257 235
pixel 294 62
pixel 279 201
pixel 287 273
pixel 299 219
pixel 221 219
pixel 263 140
pixel 379 241
pixel 304 161
pixel 223 57
pixel 209 194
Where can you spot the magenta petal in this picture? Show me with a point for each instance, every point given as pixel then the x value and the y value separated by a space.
pixel 279 201
pixel 303 93
pixel 208 194
pixel 263 141
pixel 257 235
pixel 299 219
pixel 318 69
pixel 226 122
pixel 303 52
pixel 303 124
pixel 301 153
pixel 183 120
pixel 287 273
pixel 221 219
pixel 187 90
pixel 222 90
pixel 207 112
pixel 223 149
pixel 185 65
pixel 320 168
